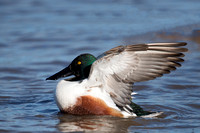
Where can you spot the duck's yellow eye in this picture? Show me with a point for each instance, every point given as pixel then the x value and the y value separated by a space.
pixel 79 62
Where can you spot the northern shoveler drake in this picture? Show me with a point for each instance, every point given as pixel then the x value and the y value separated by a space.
pixel 103 85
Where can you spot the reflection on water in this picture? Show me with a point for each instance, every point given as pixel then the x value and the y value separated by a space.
pixel 41 37
pixel 94 123
pixel 69 123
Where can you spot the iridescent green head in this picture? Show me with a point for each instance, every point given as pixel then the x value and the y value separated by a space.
pixel 80 68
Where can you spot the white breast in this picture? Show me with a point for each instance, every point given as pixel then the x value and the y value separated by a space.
pixel 67 92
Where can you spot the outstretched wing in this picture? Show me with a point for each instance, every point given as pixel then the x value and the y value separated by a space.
pixel 121 66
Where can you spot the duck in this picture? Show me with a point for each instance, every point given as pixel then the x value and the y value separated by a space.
pixel 103 85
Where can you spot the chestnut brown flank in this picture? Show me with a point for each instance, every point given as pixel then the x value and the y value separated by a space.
pixel 88 105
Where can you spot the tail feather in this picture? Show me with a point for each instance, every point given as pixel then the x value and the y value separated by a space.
pixel 139 111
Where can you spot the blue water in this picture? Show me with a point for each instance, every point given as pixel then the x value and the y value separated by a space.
pixel 39 38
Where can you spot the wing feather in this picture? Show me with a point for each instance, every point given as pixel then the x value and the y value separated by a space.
pixel 121 66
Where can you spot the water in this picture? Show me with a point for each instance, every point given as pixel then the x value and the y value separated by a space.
pixel 38 38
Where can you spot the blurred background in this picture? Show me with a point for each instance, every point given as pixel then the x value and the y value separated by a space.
pixel 39 38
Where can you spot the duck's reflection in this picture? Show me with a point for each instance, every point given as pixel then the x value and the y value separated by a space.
pixel 70 123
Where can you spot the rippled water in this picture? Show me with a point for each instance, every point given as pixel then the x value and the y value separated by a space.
pixel 38 38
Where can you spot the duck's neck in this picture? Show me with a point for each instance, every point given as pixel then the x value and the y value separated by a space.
pixel 83 74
